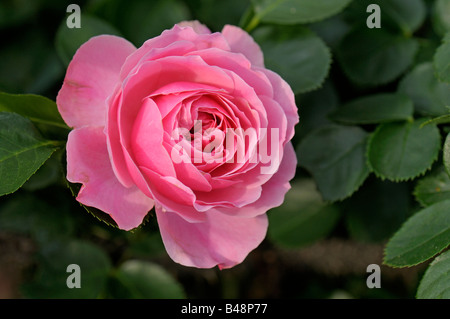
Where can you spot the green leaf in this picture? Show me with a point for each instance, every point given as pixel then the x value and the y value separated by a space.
pixel 331 30
pixel 409 15
pixel 38 109
pixel 49 173
pixel 297 54
pixel 296 11
pixel 378 108
pixel 377 210
pixel 401 151
pixel 446 154
pixel 145 280
pixel 441 61
pixel 440 16
pixel 421 237
pixel 374 56
pixel 426 51
pixel 303 218
pixel 22 151
pixel 443 119
pixel 433 188
pixel 50 281
pixel 435 284
pixel 69 40
pixel 335 156
pixel 430 97
pixel 404 15
pixel 316 106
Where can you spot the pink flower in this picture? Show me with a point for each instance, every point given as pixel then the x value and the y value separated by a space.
pixel 181 124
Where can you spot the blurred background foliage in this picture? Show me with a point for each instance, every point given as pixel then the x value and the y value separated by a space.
pixel 341 210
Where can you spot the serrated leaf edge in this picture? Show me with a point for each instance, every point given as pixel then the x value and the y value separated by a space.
pixel 326 71
pixel 357 186
pixel 400 179
pixel 415 190
pixel 385 262
pixel 438 50
pixel 435 261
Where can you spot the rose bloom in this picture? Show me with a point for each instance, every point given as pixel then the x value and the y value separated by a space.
pixel 135 114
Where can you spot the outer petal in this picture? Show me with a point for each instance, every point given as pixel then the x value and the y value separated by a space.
pixel 88 163
pixel 282 93
pixel 196 25
pixel 90 79
pixel 167 44
pixel 221 240
pixel 241 42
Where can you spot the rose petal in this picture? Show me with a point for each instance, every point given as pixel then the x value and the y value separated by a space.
pixel 235 197
pixel 186 171
pixel 170 38
pixel 90 79
pixel 282 93
pixel 270 147
pixel 147 184
pixel 147 140
pixel 168 187
pixel 113 142
pixel 273 191
pixel 88 163
pixel 221 240
pixel 240 65
pixel 152 75
pixel 196 25
pixel 241 42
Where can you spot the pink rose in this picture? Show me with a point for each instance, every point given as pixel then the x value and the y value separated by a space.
pixel 191 123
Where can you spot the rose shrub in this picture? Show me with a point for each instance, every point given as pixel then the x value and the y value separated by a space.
pixel 136 144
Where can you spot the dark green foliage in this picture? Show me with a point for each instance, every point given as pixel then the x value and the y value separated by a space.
pixel 373 150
